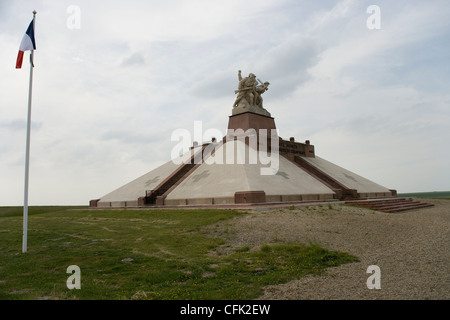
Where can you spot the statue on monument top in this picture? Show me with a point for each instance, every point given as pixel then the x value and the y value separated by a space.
pixel 249 95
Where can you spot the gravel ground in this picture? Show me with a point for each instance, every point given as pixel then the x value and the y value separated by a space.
pixel 410 248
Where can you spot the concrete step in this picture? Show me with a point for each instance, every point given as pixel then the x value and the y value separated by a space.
pixel 373 202
pixel 390 205
pixel 419 205
pixel 397 204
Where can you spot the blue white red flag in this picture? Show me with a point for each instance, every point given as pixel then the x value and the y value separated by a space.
pixel 28 43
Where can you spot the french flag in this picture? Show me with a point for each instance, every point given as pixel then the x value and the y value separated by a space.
pixel 27 43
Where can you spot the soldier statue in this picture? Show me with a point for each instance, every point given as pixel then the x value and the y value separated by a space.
pixel 249 92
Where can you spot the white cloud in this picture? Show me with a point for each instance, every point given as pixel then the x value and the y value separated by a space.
pixel 133 60
pixel 108 95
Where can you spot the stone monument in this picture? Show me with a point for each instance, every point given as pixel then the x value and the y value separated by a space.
pixel 300 175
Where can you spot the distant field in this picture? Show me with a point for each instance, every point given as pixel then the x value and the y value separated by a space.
pixel 32 210
pixel 143 254
pixel 432 195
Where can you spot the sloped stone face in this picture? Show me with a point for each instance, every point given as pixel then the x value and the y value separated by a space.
pixel 236 179
pixel 363 186
pixel 227 176
pixel 128 194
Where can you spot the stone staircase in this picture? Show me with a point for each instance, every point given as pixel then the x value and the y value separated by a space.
pixel 157 195
pixel 168 184
pixel 389 205
pixel 342 192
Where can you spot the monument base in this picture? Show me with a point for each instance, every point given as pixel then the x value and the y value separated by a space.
pixel 250 120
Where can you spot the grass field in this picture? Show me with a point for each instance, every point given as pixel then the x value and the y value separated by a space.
pixel 430 195
pixel 142 254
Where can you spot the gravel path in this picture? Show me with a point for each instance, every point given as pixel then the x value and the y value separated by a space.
pixel 410 248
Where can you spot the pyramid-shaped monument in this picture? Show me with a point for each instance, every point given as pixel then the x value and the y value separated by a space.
pixel 250 165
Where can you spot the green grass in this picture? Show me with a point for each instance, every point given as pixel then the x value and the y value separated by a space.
pixel 18 211
pixel 169 256
pixel 430 195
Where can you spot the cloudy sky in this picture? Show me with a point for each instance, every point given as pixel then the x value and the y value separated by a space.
pixel 114 79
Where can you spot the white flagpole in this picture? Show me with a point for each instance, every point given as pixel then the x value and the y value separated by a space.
pixel 27 153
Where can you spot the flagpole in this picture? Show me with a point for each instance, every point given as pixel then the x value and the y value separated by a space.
pixel 27 153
